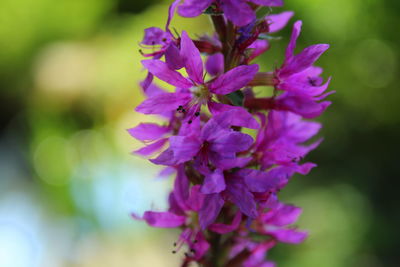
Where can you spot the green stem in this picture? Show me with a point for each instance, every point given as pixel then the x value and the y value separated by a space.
pixel 216 251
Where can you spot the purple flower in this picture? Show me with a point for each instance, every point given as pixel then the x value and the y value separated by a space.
pixel 224 180
pixel 184 203
pixel 239 188
pixel 300 79
pixel 218 190
pixel 216 143
pixel 275 23
pixel 280 142
pixel 154 136
pixel 151 134
pixel 238 11
pixel 162 43
pixel 194 91
pixel 274 224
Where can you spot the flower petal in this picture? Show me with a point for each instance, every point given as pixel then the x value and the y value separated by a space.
pixel 173 57
pixel 225 163
pixel 196 199
pixel 148 131
pixel 290 236
pixel 238 11
pixel 154 36
pixel 227 228
pixel 242 197
pixel 201 246
pixel 304 106
pixel 171 12
pixel 181 188
pixel 282 215
pixel 268 2
pixel 303 60
pixel 258 47
pixel 163 219
pixel 233 80
pixel 215 64
pixel 163 102
pixel 161 70
pixel 232 115
pixel 210 209
pixel 213 182
pixel 231 142
pixel 213 129
pixel 258 181
pixel 165 158
pixel 152 148
pixel 166 172
pixel 293 39
pixel 192 59
pixel 278 21
pixel 184 147
pixel 290 127
pixel 193 8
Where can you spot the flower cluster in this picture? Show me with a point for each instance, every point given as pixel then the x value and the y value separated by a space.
pixel 225 194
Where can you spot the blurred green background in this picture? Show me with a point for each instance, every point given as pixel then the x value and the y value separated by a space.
pixel 69 73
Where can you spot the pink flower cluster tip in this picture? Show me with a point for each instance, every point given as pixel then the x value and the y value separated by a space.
pixel 225 194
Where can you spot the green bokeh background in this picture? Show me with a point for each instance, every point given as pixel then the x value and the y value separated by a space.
pixel 69 73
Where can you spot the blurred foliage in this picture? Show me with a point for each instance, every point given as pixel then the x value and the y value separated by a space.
pixel 69 74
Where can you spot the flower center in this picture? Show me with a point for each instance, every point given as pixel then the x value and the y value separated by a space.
pixel 201 92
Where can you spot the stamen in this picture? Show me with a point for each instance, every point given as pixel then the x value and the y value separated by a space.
pixel 312 81
pixel 197 114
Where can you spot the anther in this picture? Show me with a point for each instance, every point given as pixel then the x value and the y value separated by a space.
pixel 179 108
pixel 174 251
pixel 193 251
pixel 189 122
pixel 312 81
pixel 174 244
pixel 197 114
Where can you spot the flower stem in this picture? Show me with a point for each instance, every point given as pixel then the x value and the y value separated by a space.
pixel 215 255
